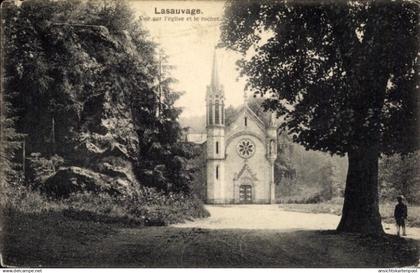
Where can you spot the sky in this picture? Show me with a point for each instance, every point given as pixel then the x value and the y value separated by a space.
pixel 190 46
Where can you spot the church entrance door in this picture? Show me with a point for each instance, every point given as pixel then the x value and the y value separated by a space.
pixel 245 194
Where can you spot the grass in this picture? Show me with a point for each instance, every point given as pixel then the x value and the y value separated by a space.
pixel 147 208
pixel 335 206
pixel 51 239
pixel 34 238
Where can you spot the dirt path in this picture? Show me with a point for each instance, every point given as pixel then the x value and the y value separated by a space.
pixel 234 236
pixel 272 217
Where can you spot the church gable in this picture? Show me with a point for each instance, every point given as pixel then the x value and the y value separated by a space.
pixel 246 120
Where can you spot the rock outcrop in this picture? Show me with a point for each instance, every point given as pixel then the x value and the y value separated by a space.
pixel 95 134
pixel 68 180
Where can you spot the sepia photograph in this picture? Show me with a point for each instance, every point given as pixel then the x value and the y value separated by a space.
pixel 235 134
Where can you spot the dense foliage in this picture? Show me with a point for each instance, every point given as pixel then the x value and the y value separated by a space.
pixel 10 144
pixel 66 59
pixel 343 75
pixel 399 175
pixel 88 90
pixel 320 60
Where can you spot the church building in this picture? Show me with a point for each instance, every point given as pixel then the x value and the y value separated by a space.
pixel 240 155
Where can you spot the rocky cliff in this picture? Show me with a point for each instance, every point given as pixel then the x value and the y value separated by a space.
pixel 86 117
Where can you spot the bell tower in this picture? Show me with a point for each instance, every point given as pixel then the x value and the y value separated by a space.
pixel 215 120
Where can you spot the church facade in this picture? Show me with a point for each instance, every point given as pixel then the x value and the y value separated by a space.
pixel 240 155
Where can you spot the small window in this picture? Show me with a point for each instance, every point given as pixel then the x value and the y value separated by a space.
pixel 246 121
pixel 217 147
pixel 217 172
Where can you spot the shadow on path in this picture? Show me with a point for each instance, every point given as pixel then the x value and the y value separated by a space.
pixel 53 240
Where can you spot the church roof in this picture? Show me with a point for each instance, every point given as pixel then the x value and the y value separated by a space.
pixel 215 85
pixel 255 109
pixel 251 113
pixel 214 73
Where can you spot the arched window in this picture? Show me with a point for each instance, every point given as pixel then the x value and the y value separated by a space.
pixel 223 113
pixel 216 113
pixel 272 146
pixel 217 172
pixel 217 147
pixel 210 114
pixel 246 121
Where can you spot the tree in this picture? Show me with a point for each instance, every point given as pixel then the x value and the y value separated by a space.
pixel 10 141
pixel 399 175
pixel 343 74
pixel 328 181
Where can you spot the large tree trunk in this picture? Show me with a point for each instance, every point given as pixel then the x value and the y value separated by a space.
pixel 361 204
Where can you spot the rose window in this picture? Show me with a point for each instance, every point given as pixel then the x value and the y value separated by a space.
pixel 246 148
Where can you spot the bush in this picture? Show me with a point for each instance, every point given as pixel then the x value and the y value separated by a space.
pixel 157 208
pixel 147 208
pixel 399 175
pixel 306 195
pixel 21 198
pixel 39 168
